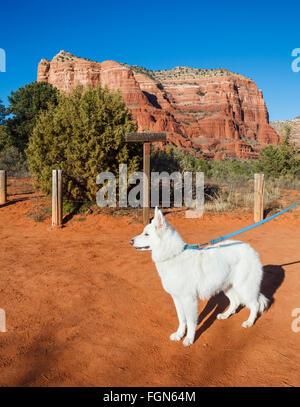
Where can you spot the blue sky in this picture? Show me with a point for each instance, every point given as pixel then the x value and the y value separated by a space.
pixel 253 38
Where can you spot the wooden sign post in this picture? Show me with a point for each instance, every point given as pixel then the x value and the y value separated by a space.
pixel 146 138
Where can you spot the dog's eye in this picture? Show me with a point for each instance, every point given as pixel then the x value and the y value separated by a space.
pixel 146 234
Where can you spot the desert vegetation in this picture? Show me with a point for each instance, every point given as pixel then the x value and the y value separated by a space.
pixel 276 162
pixel 84 133
pixel 229 183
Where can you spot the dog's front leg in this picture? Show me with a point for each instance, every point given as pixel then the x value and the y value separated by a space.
pixel 190 307
pixel 176 336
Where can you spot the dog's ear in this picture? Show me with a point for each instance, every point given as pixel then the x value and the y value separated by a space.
pixel 160 220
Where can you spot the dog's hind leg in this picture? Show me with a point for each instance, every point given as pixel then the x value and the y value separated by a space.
pixel 190 307
pixel 176 336
pixel 234 303
pixel 254 308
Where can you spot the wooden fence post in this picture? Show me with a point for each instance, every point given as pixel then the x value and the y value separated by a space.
pixel 2 320
pixel 3 187
pixel 57 198
pixel 146 184
pixel 259 186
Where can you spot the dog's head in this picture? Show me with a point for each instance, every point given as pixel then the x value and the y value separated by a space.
pixel 152 233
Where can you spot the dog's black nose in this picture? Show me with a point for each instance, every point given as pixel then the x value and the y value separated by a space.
pixel 131 241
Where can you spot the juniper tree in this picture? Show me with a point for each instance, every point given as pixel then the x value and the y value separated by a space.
pixel 83 135
pixel 2 112
pixel 281 160
pixel 25 106
pixel 3 132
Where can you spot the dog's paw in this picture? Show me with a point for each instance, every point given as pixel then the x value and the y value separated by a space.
pixel 247 324
pixel 176 336
pixel 187 341
pixel 222 316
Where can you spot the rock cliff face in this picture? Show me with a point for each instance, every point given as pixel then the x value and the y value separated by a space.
pixel 213 113
pixel 294 124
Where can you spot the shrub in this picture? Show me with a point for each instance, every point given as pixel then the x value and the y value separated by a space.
pixel 174 159
pixel 2 112
pixel 3 130
pixel 3 137
pixel 25 106
pixel 281 160
pixel 83 135
pixel 13 161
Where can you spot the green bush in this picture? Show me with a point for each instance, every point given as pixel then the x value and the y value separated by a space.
pixel 25 106
pixel 3 137
pixel 281 160
pixel 13 162
pixel 83 135
pixel 2 112
pixel 3 130
pixel 174 159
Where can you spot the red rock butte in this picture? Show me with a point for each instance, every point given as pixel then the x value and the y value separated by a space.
pixel 212 113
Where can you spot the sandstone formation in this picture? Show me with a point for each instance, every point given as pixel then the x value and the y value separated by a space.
pixel 211 113
pixel 294 124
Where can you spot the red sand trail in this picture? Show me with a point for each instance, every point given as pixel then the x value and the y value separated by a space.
pixel 84 308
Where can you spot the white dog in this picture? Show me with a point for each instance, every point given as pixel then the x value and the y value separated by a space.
pixel 232 266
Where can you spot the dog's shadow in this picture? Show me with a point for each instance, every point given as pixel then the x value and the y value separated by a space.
pixel 273 277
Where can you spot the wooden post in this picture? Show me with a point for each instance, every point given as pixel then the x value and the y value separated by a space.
pixel 57 195
pixel 259 186
pixel 146 184
pixel 3 187
pixel 2 320
pixel 60 196
pixel 146 138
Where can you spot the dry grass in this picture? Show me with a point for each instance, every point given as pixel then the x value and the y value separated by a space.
pixel 40 209
pixel 240 197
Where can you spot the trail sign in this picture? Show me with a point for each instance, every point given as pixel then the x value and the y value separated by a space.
pixel 146 138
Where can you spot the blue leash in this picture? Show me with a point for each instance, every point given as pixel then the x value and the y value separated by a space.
pixel 254 225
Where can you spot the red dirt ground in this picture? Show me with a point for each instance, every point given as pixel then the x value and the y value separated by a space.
pixel 84 308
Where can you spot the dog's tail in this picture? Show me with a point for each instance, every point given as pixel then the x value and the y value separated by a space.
pixel 263 303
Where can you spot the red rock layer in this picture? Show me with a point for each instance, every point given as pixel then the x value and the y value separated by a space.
pixel 212 113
